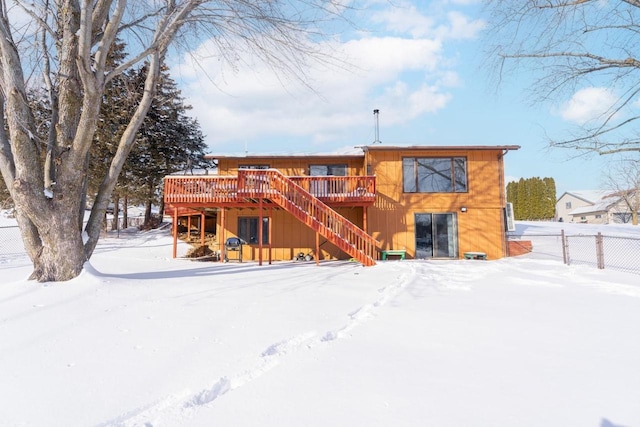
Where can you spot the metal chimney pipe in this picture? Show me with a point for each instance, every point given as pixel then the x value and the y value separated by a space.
pixel 376 113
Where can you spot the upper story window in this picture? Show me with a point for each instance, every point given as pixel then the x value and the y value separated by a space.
pixel 328 170
pixel 567 205
pixel 253 167
pixel 434 175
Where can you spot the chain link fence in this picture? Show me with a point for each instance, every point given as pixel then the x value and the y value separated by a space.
pixel 595 250
pixel 11 245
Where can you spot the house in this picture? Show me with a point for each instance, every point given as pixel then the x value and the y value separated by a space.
pixel 593 207
pixel 416 201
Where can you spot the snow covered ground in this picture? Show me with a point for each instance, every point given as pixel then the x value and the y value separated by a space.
pixel 140 339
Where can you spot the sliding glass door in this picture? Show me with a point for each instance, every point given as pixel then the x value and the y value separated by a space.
pixel 436 235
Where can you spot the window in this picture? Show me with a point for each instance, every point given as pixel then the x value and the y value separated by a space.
pixel 598 216
pixel 434 175
pixel 326 187
pixel 248 229
pixel 567 205
pixel 253 167
pixel 436 235
pixel 328 170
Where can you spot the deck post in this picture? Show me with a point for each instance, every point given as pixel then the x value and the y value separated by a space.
pixel 260 219
pixel 175 231
pixel 221 241
pixel 270 214
pixel 317 248
pixel 364 219
pixel 202 229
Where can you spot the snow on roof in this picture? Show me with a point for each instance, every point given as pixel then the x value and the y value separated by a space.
pixel 601 205
pixel 196 171
pixel 358 151
pixel 590 196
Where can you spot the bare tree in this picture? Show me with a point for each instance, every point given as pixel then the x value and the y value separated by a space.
pixel 575 44
pixel 63 46
pixel 623 178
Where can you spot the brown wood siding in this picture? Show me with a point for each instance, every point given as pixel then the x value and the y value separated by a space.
pixel 391 219
pixel 289 236
pixel 291 166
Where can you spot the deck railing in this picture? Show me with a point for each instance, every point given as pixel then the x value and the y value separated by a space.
pixel 303 197
pixel 310 210
pixel 200 189
pixel 348 190
pixel 338 188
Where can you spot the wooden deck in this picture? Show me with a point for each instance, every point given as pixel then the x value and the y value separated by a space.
pixel 308 199
pixel 238 191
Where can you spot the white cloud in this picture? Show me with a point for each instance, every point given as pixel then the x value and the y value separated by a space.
pixel 587 104
pixel 405 74
pixel 460 27
pixel 406 18
pixel 252 102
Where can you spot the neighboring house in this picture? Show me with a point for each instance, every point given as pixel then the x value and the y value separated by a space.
pixel 429 201
pixel 593 207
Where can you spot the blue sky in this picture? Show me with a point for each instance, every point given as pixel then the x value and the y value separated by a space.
pixel 423 65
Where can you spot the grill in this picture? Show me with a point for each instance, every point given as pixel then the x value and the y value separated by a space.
pixel 233 245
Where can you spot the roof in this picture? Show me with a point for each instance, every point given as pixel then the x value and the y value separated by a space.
pixel 196 171
pixel 380 147
pixel 279 156
pixel 601 205
pixel 358 152
pixel 589 196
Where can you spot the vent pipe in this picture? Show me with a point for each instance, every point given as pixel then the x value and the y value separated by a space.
pixel 376 113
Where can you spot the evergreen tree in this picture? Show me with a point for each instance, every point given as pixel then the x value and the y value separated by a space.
pixel 549 198
pixel 118 102
pixel 532 198
pixel 168 141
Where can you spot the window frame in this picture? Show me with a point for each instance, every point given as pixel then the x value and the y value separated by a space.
pixel 329 167
pixel 254 166
pixel 412 184
pixel 252 226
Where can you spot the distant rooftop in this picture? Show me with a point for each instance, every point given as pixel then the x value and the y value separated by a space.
pixel 591 196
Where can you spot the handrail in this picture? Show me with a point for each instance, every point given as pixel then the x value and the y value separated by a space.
pixel 271 184
pixel 351 190
pixel 200 189
pixel 338 188
pixel 298 195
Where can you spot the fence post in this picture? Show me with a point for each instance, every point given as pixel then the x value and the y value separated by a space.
pixel 565 251
pixel 600 250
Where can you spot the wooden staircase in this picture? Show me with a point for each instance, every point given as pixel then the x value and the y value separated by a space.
pixel 272 185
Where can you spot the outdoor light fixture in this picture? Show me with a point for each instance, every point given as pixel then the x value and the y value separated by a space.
pixel 463 209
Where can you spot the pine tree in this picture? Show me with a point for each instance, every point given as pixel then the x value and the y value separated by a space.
pixel 168 141
pixel 532 198
pixel 118 102
pixel 550 198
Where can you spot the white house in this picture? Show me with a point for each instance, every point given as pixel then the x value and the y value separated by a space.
pixel 592 206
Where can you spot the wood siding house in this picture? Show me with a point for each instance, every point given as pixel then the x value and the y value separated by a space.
pixel 425 201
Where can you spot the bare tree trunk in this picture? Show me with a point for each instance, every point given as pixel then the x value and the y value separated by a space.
pixel 147 213
pixel 116 211
pixel 125 213
pixel 49 187
pixel 161 209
